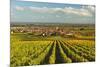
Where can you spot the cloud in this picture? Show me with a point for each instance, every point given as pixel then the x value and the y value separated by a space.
pixel 84 11
pixel 89 7
pixel 80 12
pixel 57 16
pixel 41 9
pixel 19 8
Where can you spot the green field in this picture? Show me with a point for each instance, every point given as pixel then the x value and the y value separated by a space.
pixel 29 50
pixel 44 33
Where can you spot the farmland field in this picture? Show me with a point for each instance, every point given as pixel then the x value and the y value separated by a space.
pixel 44 33
pixel 32 49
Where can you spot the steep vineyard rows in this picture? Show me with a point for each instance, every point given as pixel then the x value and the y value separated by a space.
pixel 25 52
pixel 71 47
pixel 85 53
pixel 74 56
pixel 50 52
pixel 62 56
pixel 52 57
pixel 42 56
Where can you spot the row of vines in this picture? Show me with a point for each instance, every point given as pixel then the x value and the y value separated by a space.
pixel 25 53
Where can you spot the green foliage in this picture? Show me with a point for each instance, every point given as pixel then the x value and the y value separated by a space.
pixel 26 52
pixel 63 55
pixel 53 55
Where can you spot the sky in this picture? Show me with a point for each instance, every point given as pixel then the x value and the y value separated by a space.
pixel 42 12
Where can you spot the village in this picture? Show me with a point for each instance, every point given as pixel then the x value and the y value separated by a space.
pixel 71 32
pixel 43 31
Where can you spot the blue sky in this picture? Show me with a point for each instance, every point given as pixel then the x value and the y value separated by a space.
pixel 24 11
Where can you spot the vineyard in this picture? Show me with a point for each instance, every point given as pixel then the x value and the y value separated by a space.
pixel 52 51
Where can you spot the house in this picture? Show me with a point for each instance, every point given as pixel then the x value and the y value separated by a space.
pixel 70 34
